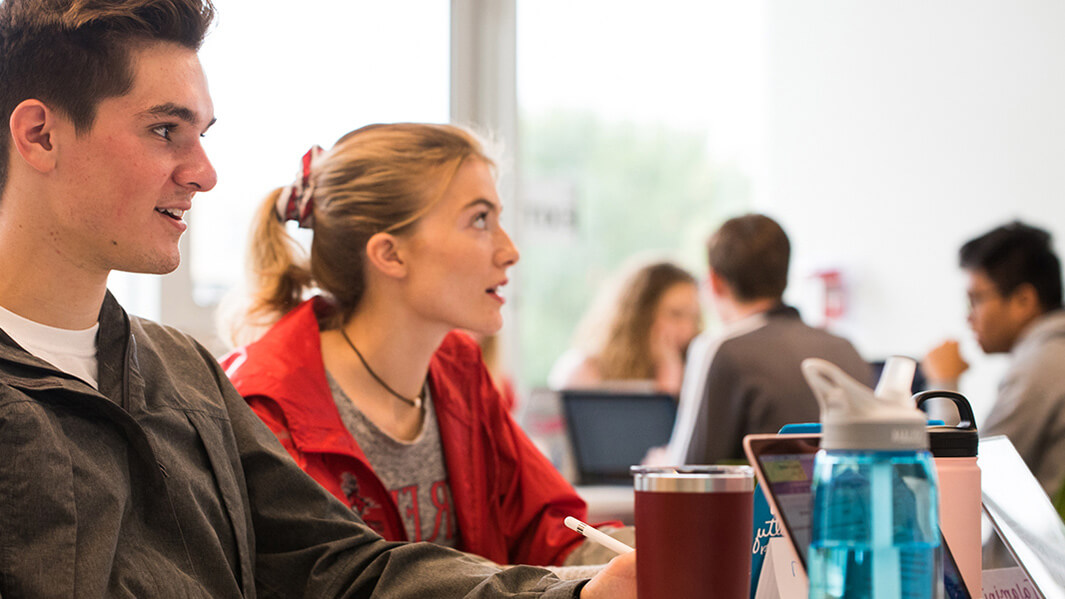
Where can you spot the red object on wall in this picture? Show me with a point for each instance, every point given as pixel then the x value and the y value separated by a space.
pixel 834 294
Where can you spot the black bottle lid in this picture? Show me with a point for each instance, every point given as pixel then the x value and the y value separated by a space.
pixel 960 441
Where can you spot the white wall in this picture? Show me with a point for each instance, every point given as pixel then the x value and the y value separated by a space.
pixel 898 130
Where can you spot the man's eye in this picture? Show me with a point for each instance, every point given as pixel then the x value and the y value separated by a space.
pixel 163 131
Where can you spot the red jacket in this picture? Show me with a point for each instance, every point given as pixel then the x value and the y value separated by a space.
pixel 509 500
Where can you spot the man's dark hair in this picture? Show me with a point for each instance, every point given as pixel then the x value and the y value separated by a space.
pixel 1015 254
pixel 751 253
pixel 71 54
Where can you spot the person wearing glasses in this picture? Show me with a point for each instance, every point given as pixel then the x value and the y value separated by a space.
pixel 1015 307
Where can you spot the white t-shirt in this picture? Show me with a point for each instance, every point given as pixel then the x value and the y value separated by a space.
pixel 73 352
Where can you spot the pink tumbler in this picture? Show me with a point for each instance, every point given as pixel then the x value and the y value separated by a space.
pixel 954 451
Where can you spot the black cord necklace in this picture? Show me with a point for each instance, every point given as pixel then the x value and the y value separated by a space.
pixel 416 402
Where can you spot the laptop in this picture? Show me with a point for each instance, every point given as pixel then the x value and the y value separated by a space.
pixel 783 465
pixel 610 431
pixel 1023 516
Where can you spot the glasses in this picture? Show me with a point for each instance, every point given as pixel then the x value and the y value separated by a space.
pixel 977 297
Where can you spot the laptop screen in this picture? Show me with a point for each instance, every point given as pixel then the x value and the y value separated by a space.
pixel 790 476
pixel 1023 515
pixel 611 431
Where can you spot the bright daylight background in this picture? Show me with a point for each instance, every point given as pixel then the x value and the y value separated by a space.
pixel 286 77
pixel 881 134
pixel 640 132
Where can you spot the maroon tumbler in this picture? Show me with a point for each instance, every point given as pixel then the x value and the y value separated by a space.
pixel 693 531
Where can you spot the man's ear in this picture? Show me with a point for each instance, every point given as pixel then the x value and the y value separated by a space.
pixel 383 254
pixel 718 286
pixel 1026 300
pixel 33 124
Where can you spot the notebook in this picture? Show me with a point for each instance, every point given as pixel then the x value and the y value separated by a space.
pixel 610 431
pixel 1023 516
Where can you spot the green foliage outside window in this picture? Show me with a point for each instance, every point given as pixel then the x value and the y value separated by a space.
pixel 638 188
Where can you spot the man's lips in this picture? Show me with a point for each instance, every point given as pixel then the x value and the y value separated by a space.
pixel 174 213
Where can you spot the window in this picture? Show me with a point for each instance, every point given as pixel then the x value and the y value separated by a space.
pixel 637 135
pixel 635 132
pixel 284 78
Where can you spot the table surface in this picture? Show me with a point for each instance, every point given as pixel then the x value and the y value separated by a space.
pixel 608 502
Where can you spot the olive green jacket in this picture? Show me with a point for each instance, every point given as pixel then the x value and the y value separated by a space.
pixel 164 484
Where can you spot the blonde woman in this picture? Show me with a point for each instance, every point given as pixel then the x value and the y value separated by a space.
pixel 636 334
pixel 366 384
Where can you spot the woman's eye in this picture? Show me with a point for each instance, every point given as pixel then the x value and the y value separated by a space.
pixel 481 221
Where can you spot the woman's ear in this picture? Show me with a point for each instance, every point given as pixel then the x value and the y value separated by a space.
pixel 33 124
pixel 382 253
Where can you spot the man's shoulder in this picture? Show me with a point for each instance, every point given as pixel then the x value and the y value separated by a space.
pixel 1039 346
pixel 163 338
pixel 1038 355
pixel 1046 331
pixel 165 353
pixel 789 331
pixel 151 328
pixel 783 341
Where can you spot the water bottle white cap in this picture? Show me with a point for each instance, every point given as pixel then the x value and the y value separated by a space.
pixel 897 378
pixel 854 417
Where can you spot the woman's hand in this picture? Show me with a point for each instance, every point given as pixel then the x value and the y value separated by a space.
pixel 616 581
pixel 667 353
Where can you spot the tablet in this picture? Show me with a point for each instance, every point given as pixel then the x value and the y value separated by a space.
pixel 783 465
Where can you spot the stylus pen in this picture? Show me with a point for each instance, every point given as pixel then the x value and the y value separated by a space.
pixel 599 537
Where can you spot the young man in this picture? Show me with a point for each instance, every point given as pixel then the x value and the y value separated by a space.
pixel 1015 306
pixel 130 465
pixel 747 379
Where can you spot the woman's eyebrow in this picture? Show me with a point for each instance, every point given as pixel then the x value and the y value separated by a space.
pixel 483 202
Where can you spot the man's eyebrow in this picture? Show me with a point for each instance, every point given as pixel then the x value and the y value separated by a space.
pixel 176 110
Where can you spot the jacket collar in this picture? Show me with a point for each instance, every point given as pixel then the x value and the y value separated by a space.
pixel 286 365
pixel 1048 324
pixel 114 344
pixel 782 311
pixel 116 355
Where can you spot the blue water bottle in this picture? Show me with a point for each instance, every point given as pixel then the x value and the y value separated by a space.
pixel 875 524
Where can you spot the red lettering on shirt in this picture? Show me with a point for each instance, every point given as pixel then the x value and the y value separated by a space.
pixel 411 508
pixel 441 497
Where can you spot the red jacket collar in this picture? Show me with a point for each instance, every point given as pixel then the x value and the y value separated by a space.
pixel 286 365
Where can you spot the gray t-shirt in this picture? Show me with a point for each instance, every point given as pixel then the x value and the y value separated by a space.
pixel 414 473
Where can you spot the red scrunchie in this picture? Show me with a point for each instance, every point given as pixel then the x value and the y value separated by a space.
pixel 296 201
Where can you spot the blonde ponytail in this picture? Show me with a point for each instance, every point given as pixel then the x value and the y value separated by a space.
pixel 278 274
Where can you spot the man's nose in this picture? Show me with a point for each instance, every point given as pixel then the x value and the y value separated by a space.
pixel 198 173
